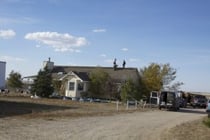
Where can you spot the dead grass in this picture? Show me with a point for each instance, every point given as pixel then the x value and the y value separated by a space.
pixel 25 107
pixel 195 130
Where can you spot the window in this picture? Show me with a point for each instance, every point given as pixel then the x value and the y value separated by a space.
pixel 80 86
pixel 71 85
pixel 154 94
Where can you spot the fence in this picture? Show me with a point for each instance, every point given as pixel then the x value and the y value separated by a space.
pixel 132 104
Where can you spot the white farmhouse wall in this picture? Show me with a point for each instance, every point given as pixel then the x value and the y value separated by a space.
pixel 75 93
pixel 71 93
pixel 2 74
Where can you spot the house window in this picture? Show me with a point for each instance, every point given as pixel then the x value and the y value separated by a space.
pixel 80 86
pixel 71 85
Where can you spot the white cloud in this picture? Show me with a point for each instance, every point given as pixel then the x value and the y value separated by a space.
pixel 108 60
pixel 17 20
pixel 38 46
pixel 133 60
pixel 11 58
pixel 99 30
pixel 124 49
pixel 59 42
pixel 7 34
pixel 77 51
pixel 103 55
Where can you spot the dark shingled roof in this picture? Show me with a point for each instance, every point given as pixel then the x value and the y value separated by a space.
pixel 83 75
pixel 118 75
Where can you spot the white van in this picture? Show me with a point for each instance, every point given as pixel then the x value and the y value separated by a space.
pixel 169 100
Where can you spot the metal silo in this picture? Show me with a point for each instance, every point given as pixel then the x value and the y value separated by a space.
pixel 2 74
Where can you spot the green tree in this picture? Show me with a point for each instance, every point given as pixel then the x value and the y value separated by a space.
pixel 57 86
pixel 14 80
pixel 101 85
pixel 43 84
pixel 130 91
pixel 157 77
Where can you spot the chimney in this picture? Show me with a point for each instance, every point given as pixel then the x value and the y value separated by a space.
pixel 48 64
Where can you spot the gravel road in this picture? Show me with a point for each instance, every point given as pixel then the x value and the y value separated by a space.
pixel 133 126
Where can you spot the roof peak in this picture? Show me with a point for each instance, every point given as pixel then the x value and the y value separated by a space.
pixel 119 68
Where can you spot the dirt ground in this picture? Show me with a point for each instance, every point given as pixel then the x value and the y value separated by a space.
pixel 136 125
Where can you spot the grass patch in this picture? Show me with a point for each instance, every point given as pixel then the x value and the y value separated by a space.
pixel 25 107
pixel 194 130
pixel 207 122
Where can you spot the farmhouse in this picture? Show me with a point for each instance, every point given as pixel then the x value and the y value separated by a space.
pixel 2 74
pixel 75 79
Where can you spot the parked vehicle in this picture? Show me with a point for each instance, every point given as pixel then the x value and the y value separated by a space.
pixel 169 100
pixel 182 103
pixel 199 101
pixel 154 98
pixel 208 106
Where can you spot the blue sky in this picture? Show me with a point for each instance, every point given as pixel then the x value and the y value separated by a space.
pixel 94 32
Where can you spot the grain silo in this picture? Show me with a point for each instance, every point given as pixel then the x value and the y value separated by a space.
pixel 2 74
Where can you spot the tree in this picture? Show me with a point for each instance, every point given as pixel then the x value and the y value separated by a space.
pixel 112 89
pixel 98 80
pixel 129 91
pixel 14 80
pixel 57 84
pixel 101 85
pixel 43 83
pixel 157 77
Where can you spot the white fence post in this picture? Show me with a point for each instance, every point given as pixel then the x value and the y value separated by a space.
pixel 117 105
pixel 136 104
pixel 144 104
pixel 127 105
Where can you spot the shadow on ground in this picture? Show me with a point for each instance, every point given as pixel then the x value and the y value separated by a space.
pixel 8 108
pixel 192 110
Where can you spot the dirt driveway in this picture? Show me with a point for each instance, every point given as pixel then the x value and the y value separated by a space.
pixel 133 126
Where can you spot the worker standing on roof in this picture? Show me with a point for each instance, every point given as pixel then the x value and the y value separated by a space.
pixel 115 64
pixel 124 64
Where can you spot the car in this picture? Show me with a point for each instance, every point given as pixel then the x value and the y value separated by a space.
pixel 199 103
pixel 56 97
pixel 81 99
pixel 202 103
pixel 208 106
